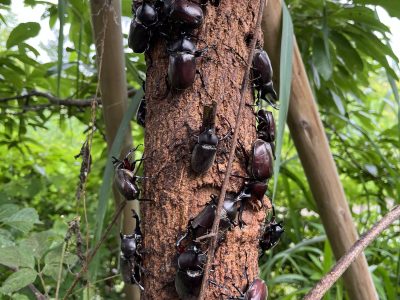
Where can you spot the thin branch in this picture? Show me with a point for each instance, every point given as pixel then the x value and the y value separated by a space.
pixel 95 249
pixel 54 101
pixel 211 252
pixel 345 261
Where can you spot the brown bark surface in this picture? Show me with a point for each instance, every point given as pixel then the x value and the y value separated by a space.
pixel 171 124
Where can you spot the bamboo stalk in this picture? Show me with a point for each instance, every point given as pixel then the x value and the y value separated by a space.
pixel 312 145
pixel 106 15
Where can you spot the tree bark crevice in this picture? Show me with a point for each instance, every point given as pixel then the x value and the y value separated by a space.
pixel 170 124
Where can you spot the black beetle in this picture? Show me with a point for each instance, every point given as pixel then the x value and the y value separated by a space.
pixel 260 165
pixel 205 150
pixel 141 113
pixel 140 31
pixel 202 223
pixel 126 178
pixel 266 129
pixel 190 273
pixel 271 234
pixel 131 257
pixel 182 63
pixel 257 291
pixel 185 15
pixel 262 76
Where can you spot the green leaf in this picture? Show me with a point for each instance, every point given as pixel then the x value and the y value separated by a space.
pixel 6 238
pixel 53 259
pixel 284 88
pixel 15 257
pixel 321 58
pixel 23 220
pixel 391 6
pixel 6 210
pixel 18 280
pixel 40 242
pixel 22 32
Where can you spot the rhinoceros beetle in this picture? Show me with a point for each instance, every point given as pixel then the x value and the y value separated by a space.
pixel 256 291
pixel 202 223
pixel 140 31
pixel 184 15
pixel 190 273
pixel 131 257
pixel 260 165
pixel 125 177
pixel 182 63
pixel 262 77
pixel 141 113
pixel 271 234
pixel 266 129
pixel 204 152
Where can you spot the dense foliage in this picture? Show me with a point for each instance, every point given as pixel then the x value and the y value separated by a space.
pixel 349 61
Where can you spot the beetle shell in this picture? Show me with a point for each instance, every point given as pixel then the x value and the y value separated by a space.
pixel 204 219
pixel 141 113
pixel 188 283
pixel 266 128
pixel 204 152
pixel 192 259
pixel 128 245
pixel 184 45
pixel 262 69
pixel 261 161
pixel 146 14
pixel 125 182
pixel 181 70
pixel 262 74
pixel 229 211
pixel 139 37
pixel 271 236
pixel 257 190
pixel 257 291
pixel 188 14
pixel 125 266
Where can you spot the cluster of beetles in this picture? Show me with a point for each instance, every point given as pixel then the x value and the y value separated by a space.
pixel 177 22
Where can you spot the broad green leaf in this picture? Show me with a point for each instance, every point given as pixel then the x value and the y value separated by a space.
pixel 52 262
pixel 39 243
pixel 15 257
pixel 22 32
pixel 6 210
pixel 285 86
pixel 6 238
pixel 18 280
pixel 23 220
pixel 391 6
pixel 321 59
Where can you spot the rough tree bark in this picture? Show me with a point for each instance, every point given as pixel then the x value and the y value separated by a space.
pixel 106 19
pixel 169 138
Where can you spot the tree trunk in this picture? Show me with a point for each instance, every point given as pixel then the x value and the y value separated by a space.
pixel 171 124
pixel 312 145
pixel 106 19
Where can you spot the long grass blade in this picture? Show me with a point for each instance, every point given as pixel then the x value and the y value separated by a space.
pixel 60 47
pixel 105 189
pixel 284 88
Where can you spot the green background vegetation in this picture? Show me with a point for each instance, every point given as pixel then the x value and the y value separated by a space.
pixel 353 72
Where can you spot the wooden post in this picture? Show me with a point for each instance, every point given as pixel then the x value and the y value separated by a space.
pixel 106 19
pixel 312 146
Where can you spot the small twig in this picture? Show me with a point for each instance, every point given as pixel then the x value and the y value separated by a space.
pixel 53 100
pixel 345 261
pixel 211 252
pixel 95 249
